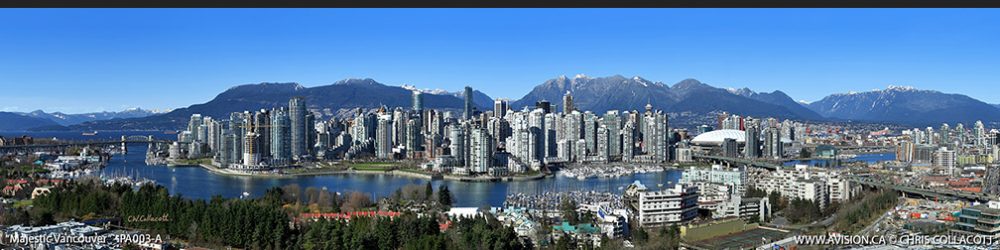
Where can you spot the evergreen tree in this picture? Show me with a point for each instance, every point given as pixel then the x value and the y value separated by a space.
pixel 444 196
pixel 429 191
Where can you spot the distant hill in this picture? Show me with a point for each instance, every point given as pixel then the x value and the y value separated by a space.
pixel 620 93
pixel 598 94
pixel 689 99
pixel 781 99
pixel 479 99
pixel 906 105
pixel 72 119
pixel 348 93
pixel 10 121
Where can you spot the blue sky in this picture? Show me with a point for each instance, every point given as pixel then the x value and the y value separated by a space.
pixel 82 60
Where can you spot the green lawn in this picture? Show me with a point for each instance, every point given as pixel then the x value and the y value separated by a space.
pixel 703 232
pixel 199 161
pixel 373 166
pixel 22 203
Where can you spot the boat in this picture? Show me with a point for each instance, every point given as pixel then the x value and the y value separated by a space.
pixel 90 133
pixel 170 132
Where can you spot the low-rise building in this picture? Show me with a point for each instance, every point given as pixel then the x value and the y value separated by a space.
pixel 674 205
pixel 982 219
pixel 582 233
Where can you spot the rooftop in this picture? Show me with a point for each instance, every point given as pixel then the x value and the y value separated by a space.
pixel 716 137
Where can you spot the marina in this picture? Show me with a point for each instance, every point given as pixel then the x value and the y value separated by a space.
pixel 607 171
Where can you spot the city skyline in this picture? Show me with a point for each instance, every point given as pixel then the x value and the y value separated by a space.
pixel 189 56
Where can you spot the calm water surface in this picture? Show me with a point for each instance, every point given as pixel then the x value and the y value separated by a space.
pixel 196 182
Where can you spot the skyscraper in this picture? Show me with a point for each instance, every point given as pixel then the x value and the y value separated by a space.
pixel 980 132
pixel 310 131
pixel 481 155
pixel 383 138
pixel 418 101
pixel 590 131
pixel 568 103
pixel 628 141
pixel 281 134
pixel 603 143
pixel 551 123
pixel 772 142
pixel 945 137
pixel 945 159
pixel 468 103
pixel 194 124
pixel 297 116
pixel 457 138
pixel 536 141
pixel 613 122
pixel 414 140
pixel 251 147
pixel 544 105
pixel 500 107
pixel 655 138
pixel 752 129
pixel 262 126
pixel 730 148
pixel 237 131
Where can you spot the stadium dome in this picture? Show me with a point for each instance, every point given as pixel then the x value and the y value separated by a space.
pixel 716 137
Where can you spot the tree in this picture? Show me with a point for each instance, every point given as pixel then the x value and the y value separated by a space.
pixel 428 191
pixel 640 236
pixel 776 201
pixel 804 153
pixel 568 208
pixel 356 201
pixel 755 192
pixel 563 242
pixel 43 218
pixel 444 196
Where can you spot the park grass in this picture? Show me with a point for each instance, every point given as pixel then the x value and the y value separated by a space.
pixel 22 203
pixel 373 166
pixel 716 229
pixel 194 162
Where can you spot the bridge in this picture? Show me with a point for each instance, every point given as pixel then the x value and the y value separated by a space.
pixel 67 144
pixel 739 161
pixel 924 192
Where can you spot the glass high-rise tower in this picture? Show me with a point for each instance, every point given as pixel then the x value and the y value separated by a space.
pixel 280 135
pixel 297 116
pixel 468 103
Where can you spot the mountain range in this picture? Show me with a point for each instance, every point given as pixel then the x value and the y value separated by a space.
pixel 73 119
pixel 40 120
pixel 900 105
pixel 906 105
pixel 10 121
pixel 617 92
pixel 343 94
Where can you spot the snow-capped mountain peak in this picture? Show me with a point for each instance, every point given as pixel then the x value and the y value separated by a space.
pixel 900 88
pixel 425 91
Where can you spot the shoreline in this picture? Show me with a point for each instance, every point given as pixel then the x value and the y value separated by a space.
pixel 395 172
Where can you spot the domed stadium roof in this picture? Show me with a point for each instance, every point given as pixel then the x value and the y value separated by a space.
pixel 716 137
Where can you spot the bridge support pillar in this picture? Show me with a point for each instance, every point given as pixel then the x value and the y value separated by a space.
pixel 124 148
